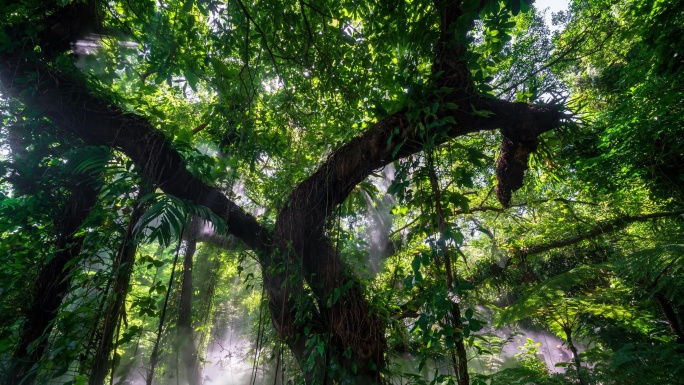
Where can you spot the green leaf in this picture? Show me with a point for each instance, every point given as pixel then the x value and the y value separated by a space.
pixel 416 263
pixel 515 6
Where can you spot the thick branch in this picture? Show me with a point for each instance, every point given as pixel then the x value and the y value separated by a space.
pixel 72 106
pixel 301 224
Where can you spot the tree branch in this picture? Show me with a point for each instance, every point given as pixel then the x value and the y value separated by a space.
pixel 600 229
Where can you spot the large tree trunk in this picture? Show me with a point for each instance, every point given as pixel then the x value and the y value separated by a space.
pixel 50 287
pixel 116 304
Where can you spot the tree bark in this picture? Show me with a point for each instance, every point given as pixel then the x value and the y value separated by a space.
pixel 50 287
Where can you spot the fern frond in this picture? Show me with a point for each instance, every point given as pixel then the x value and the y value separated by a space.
pixel 656 270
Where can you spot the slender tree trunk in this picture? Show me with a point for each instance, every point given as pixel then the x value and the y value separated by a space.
pixel 462 376
pixel 671 316
pixel 154 357
pixel 461 359
pixel 116 304
pixel 575 356
pixel 50 287
pixel 187 347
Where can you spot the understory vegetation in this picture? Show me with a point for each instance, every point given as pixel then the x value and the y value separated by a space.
pixel 467 192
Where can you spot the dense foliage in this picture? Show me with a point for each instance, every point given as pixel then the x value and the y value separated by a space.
pixel 403 192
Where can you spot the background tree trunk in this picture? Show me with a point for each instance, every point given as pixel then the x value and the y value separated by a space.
pixel 671 316
pixel 116 304
pixel 51 286
pixel 154 357
pixel 575 356
pixel 188 350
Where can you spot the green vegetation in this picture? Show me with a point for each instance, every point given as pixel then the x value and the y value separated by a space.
pixel 354 192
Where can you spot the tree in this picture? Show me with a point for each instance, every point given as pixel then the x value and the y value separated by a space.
pixel 286 108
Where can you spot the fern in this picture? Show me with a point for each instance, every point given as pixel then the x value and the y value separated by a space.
pixel 168 216
pixel 90 160
pixel 644 364
pixel 656 270
pixel 559 290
